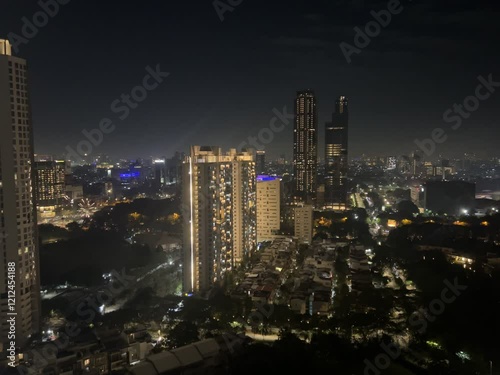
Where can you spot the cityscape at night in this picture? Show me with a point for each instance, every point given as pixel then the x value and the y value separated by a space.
pixel 237 187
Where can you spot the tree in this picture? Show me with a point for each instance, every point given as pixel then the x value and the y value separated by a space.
pixel 74 229
pixel 183 333
pixel 407 208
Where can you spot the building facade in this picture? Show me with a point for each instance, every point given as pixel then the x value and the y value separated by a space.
pixel 50 185
pixel 336 154
pixel 219 212
pixel 305 145
pixel 18 226
pixel 160 173
pixel 260 162
pixel 268 207
pixel 304 223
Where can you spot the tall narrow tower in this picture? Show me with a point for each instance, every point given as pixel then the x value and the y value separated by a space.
pixel 18 231
pixel 219 213
pixel 336 153
pixel 305 145
pixel 260 162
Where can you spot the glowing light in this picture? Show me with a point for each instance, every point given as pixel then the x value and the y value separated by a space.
pixel 191 219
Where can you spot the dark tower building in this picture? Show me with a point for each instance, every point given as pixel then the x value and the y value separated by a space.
pixel 305 145
pixel 260 162
pixel 336 153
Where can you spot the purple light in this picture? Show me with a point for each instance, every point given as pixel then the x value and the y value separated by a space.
pixel 263 178
pixel 130 175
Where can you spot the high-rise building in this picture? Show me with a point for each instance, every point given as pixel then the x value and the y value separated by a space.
pixel 219 211
pixel 260 162
pixel 416 162
pixel 391 163
pixel 304 223
pixel 50 185
pixel 268 207
pixel 336 153
pixel 305 145
pixel 160 173
pixel 18 228
pixel 174 168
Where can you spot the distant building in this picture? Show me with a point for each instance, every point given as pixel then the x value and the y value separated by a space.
pixel 219 210
pixel 282 160
pixel 210 356
pixel 450 197
pixel 268 207
pixel 160 173
pixel 359 265
pixel 50 185
pixel 392 163
pixel 260 162
pixel 304 223
pixel 73 190
pixel 174 168
pixel 18 224
pixel 416 162
pixel 428 168
pixel 336 153
pixel 320 195
pixel 415 194
pixel 305 145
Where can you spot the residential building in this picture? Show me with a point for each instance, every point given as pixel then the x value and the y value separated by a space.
pixel 219 211
pixel 268 207
pixel 19 264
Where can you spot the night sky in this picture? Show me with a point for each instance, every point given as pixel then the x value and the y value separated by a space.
pixel 226 77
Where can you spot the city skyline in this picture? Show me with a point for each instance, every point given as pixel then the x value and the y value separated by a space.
pixel 228 187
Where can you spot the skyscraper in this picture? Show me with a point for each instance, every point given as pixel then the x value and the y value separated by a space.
pixel 305 145
pixel 18 230
pixel 260 162
pixel 219 212
pixel 336 153
pixel 268 207
pixel 159 170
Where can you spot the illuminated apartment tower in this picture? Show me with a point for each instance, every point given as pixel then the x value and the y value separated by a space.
pixel 50 184
pixel 336 152
pixel 219 211
pixel 268 207
pixel 18 227
pixel 305 145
